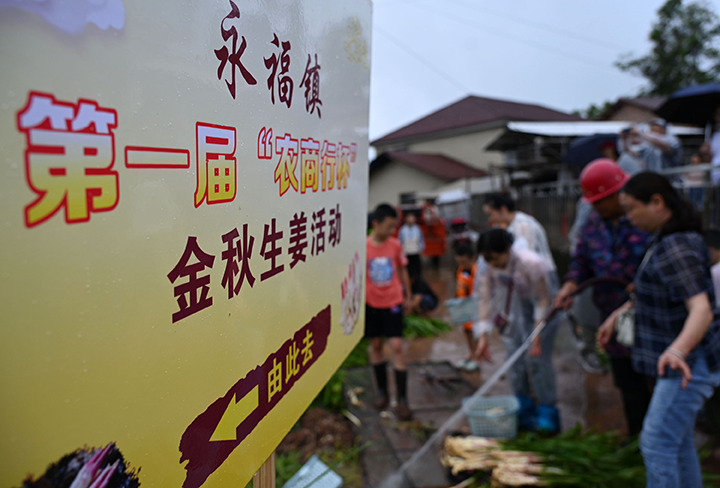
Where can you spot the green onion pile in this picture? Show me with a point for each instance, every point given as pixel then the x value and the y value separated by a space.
pixel 418 326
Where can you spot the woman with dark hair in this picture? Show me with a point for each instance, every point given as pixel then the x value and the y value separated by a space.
pixel 677 334
pixel 514 296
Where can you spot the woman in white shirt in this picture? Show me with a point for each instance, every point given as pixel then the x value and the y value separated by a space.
pixel 514 296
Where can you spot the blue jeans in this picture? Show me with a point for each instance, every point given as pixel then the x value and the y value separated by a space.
pixel 667 441
pixel 697 197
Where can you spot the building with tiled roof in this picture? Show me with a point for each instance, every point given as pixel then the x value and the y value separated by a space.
pixel 638 109
pixel 447 145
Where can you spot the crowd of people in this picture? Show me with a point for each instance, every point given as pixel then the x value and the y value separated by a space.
pixel 638 247
pixel 653 148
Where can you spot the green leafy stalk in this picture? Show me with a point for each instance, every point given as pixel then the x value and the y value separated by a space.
pixel 417 326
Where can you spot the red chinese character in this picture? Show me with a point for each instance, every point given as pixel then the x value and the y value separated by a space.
pixel 233 57
pixel 311 82
pixel 265 144
pixel 196 288
pixel 298 239
pixel 318 229
pixel 270 238
pixel 285 83
pixel 309 162
pixel 327 165
pixel 216 164
pixel 287 148
pixel 334 226
pixel 235 253
pixel 69 158
pixel 343 168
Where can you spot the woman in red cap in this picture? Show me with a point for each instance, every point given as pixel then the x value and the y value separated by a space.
pixel 609 246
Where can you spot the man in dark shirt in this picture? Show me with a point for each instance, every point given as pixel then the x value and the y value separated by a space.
pixel 423 299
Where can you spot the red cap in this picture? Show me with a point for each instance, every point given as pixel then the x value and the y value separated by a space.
pixel 601 178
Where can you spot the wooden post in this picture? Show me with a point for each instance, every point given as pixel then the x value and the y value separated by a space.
pixel 265 477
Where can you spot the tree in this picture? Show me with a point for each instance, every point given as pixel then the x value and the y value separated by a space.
pixel 593 112
pixel 685 49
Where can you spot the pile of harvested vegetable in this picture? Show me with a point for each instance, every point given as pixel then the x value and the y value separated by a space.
pixel 573 458
pixel 419 326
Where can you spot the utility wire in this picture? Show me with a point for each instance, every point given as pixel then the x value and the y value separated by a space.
pixel 538 25
pixel 531 43
pixel 420 58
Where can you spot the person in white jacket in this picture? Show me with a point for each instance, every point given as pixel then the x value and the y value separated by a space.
pixel 413 243
pixel 515 294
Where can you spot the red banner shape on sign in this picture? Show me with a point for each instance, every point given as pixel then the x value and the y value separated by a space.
pixel 207 442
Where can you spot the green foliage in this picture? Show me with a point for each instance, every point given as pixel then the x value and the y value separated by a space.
pixel 331 397
pixel 604 460
pixel 345 461
pixel 417 326
pixel 358 356
pixel 684 49
pixel 593 112
pixel 586 458
pixel 286 465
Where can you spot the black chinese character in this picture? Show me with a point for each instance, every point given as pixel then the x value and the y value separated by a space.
pixel 311 82
pixel 270 237
pixel 196 288
pixel 285 83
pixel 318 229
pixel 298 239
pixel 334 226
pixel 235 253
pixel 233 57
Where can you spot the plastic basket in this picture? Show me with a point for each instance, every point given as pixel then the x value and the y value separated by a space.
pixel 462 310
pixel 493 416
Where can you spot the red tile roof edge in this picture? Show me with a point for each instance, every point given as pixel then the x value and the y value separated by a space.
pixel 437 165
pixel 474 111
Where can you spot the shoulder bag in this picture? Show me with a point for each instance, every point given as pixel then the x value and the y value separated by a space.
pixel 625 322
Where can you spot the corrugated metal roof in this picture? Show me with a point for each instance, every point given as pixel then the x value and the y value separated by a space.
pixel 518 133
pixel 585 128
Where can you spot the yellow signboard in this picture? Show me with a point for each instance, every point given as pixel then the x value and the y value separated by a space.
pixel 183 191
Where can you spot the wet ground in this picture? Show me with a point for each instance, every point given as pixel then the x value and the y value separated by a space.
pixel 436 390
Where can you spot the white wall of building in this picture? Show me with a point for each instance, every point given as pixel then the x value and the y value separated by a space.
pixel 467 148
pixel 389 182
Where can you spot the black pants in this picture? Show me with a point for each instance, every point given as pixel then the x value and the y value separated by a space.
pixel 414 266
pixel 712 412
pixel 636 390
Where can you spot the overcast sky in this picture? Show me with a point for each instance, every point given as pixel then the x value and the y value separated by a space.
pixel 427 54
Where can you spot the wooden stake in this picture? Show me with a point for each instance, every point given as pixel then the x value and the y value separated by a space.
pixel 265 477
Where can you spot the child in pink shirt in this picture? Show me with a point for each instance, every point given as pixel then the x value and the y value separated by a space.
pixel 386 276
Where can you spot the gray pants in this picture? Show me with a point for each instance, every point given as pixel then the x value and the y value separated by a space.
pixel 588 316
pixel 539 370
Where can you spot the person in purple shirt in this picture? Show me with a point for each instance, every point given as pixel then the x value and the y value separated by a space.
pixel 610 246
